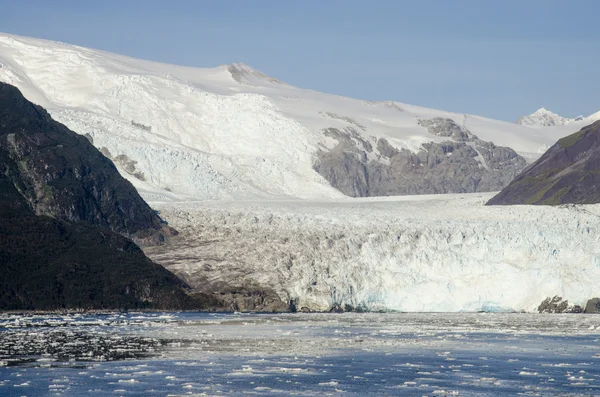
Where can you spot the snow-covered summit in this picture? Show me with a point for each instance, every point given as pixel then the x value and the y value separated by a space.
pixel 545 118
pixel 592 118
pixel 230 131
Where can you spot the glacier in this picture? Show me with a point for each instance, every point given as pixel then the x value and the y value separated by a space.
pixel 437 253
pixel 226 155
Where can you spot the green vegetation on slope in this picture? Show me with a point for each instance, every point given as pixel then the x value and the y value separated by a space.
pixel 571 140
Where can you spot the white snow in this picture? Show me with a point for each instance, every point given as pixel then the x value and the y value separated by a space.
pixel 228 132
pixel 543 118
pixel 413 253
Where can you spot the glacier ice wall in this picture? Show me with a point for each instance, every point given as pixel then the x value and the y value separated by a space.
pixel 435 253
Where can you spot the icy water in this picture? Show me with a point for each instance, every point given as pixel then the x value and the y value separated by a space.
pixel 351 354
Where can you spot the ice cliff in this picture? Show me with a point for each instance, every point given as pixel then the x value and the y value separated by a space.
pixel 426 253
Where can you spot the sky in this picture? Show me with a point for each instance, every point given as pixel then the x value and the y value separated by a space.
pixel 500 59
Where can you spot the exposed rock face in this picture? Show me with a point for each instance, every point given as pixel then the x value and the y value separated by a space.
pixel 345 166
pixel 241 73
pixel 62 175
pixel 558 305
pixel 553 305
pixel 568 173
pixel 47 263
pixel 127 164
pixel 446 127
pixel 593 306
pixel 463 164
pixel 258 300
pixel 59 200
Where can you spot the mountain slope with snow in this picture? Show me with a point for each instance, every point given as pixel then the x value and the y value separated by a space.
pixel 228 156
pixel 560 126
pixel 545 118
pixel 232 132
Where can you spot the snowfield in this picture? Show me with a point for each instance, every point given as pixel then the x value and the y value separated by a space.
pixel 415 253
pixel 228 132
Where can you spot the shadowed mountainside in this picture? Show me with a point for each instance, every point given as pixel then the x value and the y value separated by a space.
pixel 62 175
pixel 568 173
pixel 59 200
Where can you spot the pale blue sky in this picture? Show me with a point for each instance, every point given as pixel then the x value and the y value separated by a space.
pixel 495 58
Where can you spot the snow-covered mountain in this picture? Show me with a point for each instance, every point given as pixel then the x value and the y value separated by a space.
pixel 233 132
pixel 225 153
pixel 545 118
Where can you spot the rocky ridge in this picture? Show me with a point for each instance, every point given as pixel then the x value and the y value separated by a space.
pixel 568 173
pixel 557 304
pixel 64 215
pixel 61 175
pixel 462 163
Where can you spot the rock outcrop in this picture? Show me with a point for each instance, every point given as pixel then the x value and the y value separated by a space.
pixel 63 212
pixel 462 164
pixel 593 306
pixel 557 304
pixel 62 175
pixel 568 173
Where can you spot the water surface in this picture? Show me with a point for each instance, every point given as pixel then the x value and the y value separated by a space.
pixel 205 354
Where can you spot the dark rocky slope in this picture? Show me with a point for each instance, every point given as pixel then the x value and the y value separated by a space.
pixel 568 173
pixel 59 200
pixel 62 175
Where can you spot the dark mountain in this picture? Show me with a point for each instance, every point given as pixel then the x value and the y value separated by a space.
pixel 62 175
pixel 62 207
pixel 568 173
